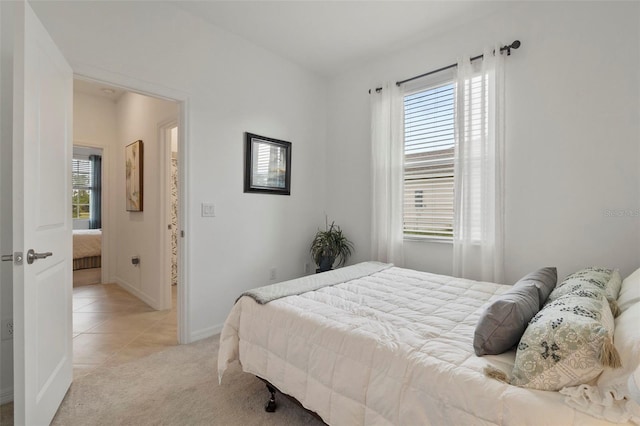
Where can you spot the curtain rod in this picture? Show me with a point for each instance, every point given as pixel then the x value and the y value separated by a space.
pixel 514 45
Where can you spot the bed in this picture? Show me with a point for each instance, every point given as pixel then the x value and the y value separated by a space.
pixel 379 345
pixel 87 248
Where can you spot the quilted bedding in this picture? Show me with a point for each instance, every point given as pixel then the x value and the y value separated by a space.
pixel 87 243
pixel 394 347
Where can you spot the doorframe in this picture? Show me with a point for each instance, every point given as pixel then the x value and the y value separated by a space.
pixel 132 84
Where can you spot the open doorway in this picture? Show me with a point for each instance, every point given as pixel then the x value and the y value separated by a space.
pixel 129 313
pixel 86 211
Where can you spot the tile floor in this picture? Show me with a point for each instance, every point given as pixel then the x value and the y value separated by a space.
pixel 111 326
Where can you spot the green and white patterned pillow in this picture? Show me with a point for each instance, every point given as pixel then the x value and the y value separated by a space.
pixel 567 343
pixel 593 278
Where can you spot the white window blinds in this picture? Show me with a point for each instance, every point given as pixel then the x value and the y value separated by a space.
pixel 81 174
pixel 82 185
pixel 428 162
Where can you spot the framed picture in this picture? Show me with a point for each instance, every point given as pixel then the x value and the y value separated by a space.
pixel 267 165
pixel 134 162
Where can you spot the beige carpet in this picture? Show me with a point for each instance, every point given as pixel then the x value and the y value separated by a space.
pixel 178 386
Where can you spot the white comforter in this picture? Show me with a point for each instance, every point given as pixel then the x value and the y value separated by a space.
pixel 394 347
pixel 87 243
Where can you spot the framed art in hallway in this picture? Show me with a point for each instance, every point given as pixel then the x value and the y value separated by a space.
pixel 267 165
pixel 134 163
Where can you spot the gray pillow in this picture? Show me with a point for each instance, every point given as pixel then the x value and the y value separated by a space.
pixel 503 322
pixel 544 280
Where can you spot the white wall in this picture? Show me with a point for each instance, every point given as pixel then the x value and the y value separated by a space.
pixel 232 87
pixel 571 126
pixel 139 233
pixel 94 120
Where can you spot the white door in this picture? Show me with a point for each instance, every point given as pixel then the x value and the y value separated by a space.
pixel 42 288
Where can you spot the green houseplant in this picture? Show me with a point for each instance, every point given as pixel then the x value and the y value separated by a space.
pixel 330 245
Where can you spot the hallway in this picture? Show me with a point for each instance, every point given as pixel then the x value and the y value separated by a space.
pixel 111 326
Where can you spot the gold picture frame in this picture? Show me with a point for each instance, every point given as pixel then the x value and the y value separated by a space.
pixel 134 163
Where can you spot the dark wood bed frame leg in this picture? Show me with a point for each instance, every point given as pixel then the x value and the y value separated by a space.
pixel 271 404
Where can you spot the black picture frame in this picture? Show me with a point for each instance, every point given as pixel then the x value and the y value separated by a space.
pixel 267 166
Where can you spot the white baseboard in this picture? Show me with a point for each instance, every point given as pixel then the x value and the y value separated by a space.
pixel 6 395
pixel 140 295
pixel 205 332
pixel 194 336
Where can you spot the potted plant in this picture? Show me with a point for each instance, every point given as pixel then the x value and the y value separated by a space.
pixel 330 245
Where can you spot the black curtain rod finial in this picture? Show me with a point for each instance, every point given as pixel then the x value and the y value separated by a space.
pixel 514 45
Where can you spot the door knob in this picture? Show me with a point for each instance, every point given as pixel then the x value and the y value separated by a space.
pixel 32 255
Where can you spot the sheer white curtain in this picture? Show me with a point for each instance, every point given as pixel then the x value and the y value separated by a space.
pixel 478 230
pixel 387 152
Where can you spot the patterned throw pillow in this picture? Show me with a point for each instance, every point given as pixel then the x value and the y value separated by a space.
pixel 594 279
pixel 567 343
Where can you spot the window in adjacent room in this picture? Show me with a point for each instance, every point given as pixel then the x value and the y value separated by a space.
pixel 81 179
pixel 429 122
pixel 86 181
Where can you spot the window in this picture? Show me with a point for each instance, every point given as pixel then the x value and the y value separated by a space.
pixel 82 185
pixel 429 162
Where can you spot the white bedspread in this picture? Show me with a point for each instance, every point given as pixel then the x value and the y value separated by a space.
pixel 87 243
pixel 394 347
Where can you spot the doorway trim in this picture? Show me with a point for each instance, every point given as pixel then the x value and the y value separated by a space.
pixel 132 84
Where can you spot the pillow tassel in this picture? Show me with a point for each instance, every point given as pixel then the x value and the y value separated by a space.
pixel 494 373
pixel 609 356
pixel 615 309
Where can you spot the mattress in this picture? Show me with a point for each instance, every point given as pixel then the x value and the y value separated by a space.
pixel 87 243
pixel 392 347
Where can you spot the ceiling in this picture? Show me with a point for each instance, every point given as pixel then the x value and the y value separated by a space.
pixel 96 89
pixel 330 37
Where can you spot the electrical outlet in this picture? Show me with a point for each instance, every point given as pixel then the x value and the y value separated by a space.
pixel 307 268
pixel 7 329
pixel 208 210
pixel 272 273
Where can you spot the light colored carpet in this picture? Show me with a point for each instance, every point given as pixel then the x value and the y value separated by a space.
pixel 178 386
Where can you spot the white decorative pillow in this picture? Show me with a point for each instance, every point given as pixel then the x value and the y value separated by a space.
pixel 567 343
pixel 612 399
pixel 613 285
pixel 627 342
pixel 630 291
pixel 592 278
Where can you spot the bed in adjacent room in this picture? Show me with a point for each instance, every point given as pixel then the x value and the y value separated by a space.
pixel 380 345
pixel 87 248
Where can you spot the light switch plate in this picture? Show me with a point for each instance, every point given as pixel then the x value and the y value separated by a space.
pixel 208 210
